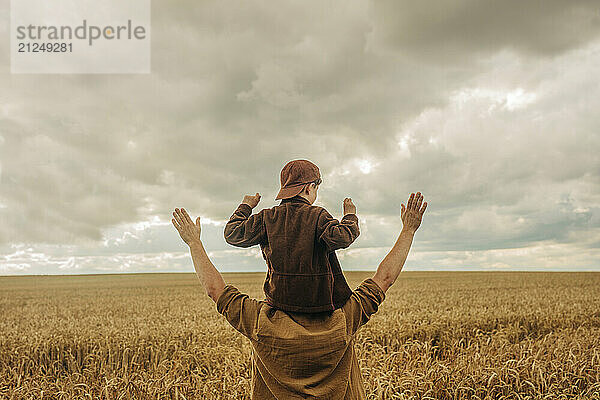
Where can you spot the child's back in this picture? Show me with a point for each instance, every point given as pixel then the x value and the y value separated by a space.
pixel 298 242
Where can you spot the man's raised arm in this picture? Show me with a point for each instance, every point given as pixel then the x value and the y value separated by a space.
pixel 392 264
pixel 211 279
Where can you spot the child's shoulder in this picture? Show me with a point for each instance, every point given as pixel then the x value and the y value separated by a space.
pixel 311 207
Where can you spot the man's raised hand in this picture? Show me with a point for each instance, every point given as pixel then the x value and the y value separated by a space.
pixel 349 207
pixel 413 212
pixel 189 232
pixel 252 201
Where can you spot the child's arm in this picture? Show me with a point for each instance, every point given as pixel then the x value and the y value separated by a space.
pixel 339 234
pixel 245 229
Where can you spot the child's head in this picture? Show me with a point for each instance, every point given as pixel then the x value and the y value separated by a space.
pixel 310 191
pixel 299 178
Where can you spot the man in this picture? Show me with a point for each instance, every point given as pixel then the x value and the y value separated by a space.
pixel 296 355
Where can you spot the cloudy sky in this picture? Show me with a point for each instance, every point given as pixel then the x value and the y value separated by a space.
pixel 490 109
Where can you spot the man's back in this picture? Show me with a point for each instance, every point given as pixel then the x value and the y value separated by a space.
pixel 298 242
pixel 298 355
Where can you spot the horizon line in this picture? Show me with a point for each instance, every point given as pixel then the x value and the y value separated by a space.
pixel 261 272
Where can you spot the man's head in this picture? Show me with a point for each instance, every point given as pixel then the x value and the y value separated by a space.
pixel 299 177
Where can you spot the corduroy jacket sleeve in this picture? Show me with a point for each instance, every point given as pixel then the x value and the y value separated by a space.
pixel 245 229
pixel 337 234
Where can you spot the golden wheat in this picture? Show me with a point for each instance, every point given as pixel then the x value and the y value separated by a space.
pixel 436 336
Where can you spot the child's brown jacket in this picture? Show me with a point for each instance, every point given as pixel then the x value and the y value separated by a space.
pixel 298 242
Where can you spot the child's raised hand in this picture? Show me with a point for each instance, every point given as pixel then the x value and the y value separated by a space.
pixel 349 207
pixel 252 201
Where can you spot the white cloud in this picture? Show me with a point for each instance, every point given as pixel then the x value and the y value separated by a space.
pixel 508 99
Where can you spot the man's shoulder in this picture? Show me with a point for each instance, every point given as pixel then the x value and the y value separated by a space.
pixel 364 302
pixel 231 295
pixel 368 291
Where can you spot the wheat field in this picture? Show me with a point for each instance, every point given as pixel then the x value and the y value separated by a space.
pixel 452 335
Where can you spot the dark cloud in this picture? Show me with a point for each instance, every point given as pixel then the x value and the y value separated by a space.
pixel 461 29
